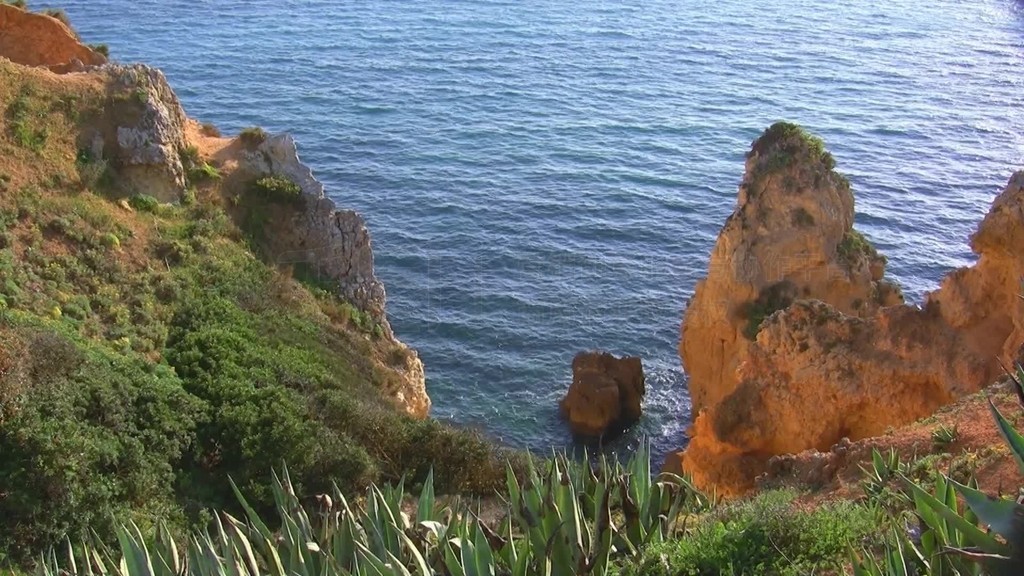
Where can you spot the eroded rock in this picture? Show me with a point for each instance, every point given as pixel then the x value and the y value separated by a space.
pixel 827 364
pixel 606 393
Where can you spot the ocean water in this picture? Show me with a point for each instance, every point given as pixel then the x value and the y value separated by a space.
pixel 542 177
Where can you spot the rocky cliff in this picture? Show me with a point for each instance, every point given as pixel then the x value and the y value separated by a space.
pixel 136 138
pixel 795 340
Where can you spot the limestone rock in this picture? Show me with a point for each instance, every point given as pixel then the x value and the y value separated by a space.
pixel 823 366
pixel 332 243
pixel 605 395
pixel 150 133
pixel 791 236
pixel 39 40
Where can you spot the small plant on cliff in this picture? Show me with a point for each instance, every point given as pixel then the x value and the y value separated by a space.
pixel 58 15
pixel 144 203
pixel 779 145
pixel 253 136
pixel 24 115
pixel 196 169
pixel 801 218
pixel 18 4
pixel 279 189
pixel 101 48
pixel 854 249
pixel 771 299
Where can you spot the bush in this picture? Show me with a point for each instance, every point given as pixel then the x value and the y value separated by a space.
pixel 208 129
pixel 144 203
pixel 253 136
pixel 101 48
pixel 93 442
pixel 768 534
pixel 277 189
pixel 770 300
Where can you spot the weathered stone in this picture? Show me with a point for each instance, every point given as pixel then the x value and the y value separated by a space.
pixel 334 244
pixel 822 370
pixel 150 134
pixel 606 393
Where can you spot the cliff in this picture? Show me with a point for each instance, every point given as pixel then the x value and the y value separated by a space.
pixel 179 308
pixel 795 340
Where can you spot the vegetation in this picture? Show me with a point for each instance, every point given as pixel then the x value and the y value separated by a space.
pixel 801 218
pixel 770 300
pixel 101 48
pixel 956 528
pixel 252 136
pixel 147 356
pixel 764 535
pixel 944 435
pixel 854 249
pixel 783 142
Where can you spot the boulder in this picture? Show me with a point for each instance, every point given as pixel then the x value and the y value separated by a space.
pixel 606 393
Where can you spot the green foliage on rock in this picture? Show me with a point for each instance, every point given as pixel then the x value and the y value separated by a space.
pixel 770 300
pixel 854 249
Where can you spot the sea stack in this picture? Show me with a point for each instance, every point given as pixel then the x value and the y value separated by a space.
pixel 795 340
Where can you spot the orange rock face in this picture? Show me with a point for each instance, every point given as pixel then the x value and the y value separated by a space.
pixel 838 356
pixel 790 237
pixel 39 40
pixel 606 393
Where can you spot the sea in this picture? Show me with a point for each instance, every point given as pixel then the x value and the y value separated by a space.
pixel 542 177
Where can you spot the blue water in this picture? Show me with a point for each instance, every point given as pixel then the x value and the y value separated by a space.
pixel 543 177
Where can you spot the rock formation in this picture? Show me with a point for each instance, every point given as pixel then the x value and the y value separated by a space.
pixel 334 243
pixel 40 40
pixel 795 342
pixel 148 134
pixel 791 236
pixel 605 395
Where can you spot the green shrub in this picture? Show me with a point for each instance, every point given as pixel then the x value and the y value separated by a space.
pixel 767 534
pixel 92 443
pixel 801 218
pixel 253 136
pixel 59 15
pixel 771 299
pixel 854 248
pixel 23 116
pixel 18 4
pixel 209 129
pixel 276 188
pixel 144 203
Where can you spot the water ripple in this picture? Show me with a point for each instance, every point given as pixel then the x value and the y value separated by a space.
pixel 543 177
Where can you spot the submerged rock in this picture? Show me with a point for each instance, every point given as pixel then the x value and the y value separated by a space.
pixel 606 393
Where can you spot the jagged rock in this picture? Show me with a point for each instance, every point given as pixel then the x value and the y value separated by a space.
pixel 791 236
pixel 39 40
pixel 149 133
pixel 820 371
pixel 334 244
pixel 605 395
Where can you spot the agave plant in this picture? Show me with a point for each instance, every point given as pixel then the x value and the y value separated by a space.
pixel 984 536
pixel 572 519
